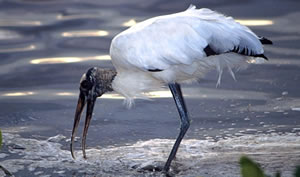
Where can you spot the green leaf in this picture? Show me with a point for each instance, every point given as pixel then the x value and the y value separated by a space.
pixel 249 168
pixel 277 174
pixel 297 171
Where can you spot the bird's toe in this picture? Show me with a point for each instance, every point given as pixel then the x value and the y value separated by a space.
pixel 153 168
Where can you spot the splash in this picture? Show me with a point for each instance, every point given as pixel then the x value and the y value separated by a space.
pixel 195 157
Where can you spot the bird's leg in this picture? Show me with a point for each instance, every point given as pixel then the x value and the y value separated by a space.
pixel 184 119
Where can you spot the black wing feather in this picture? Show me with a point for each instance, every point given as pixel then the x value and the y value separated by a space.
pixel 245 51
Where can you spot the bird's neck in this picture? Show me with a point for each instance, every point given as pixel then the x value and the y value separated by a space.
pixel 105 77
pixel 111 76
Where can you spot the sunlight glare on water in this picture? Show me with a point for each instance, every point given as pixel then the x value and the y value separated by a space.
pixel 154 94
pixel 129 23
pixel 15 22
pixel 56 60
pixel 9 35
pixel 192 93
pixel 18 94
pixel 87 33
pixel 65 94
pixel 19 49
pixel 255 22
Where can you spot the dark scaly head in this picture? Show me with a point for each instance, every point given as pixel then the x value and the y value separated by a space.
pixel 94 83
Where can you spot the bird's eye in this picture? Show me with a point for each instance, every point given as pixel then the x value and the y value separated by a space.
pixel 86 85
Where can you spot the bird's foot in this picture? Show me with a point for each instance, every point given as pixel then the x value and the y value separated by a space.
pixel 154 167
pixel 157 168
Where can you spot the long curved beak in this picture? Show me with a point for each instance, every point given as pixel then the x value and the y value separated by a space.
pixel 82 100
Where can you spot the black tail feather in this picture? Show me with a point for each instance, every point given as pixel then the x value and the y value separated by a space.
pixel 261 56
pixel 264 40
pixel 245 51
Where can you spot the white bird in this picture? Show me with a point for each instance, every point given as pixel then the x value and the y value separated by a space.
pixel 168 50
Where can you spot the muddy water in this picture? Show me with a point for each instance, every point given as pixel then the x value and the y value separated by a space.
pixel 45 46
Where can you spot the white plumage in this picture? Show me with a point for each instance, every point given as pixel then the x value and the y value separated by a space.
pixel 175 46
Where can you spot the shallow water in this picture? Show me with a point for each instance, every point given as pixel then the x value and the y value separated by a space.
pixel 195 157
pixel 45 47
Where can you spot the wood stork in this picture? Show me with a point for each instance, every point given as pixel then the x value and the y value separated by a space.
pixel 168 50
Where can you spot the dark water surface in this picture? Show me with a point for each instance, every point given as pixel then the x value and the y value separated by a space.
pixel 45 47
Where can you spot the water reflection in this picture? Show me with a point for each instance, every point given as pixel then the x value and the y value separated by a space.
pixel 192 93
pixel 154 94
pixel 6 34
pixel 19 94
pixel 255 22
pixel 19 49
pixel 15 22
pixel 129 23
pixel 279 61
pixel 160 94
pixel 87 33
pixel 79 16
pixel 56 60
pixel 65 94
pixel 112 96
pixel 287 51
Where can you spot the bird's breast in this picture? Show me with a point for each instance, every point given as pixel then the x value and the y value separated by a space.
pixel 134 84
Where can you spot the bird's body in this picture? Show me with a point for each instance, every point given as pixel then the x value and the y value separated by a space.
pixel 169 50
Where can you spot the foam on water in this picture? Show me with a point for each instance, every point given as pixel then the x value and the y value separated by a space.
pixel 194 158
